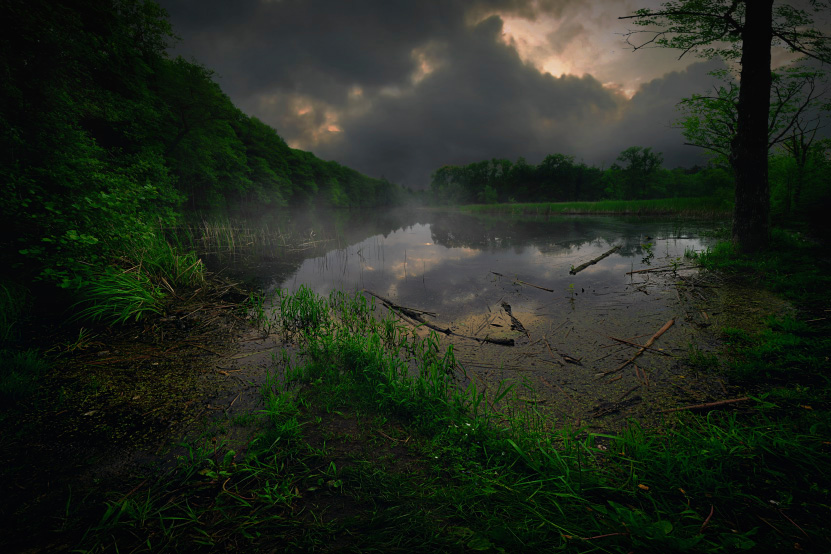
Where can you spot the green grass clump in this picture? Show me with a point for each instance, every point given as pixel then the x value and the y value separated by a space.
pixel 705 207
pixel 166 263
pixel 139 284
pixel 117 296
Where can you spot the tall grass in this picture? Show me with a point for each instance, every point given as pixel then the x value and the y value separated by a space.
pixel 225 236
pixel 693 207
pixel 139 284
pixel 490 477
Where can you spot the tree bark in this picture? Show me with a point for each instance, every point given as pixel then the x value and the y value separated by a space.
pixel 749 148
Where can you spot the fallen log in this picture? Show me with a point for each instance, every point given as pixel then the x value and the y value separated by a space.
pixel 707 405
pixel 581 267
pixel 649 343
pixel 403 309
pixel 416 316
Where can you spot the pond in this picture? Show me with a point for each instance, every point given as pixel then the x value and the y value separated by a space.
pixel 498 280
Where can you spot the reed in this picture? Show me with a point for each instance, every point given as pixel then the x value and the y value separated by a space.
pixel 226 236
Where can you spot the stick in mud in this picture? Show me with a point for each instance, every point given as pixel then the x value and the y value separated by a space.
pixel 515 323
pixel 581 267
pixel 654 337
pixel 636 345
pixel 715 404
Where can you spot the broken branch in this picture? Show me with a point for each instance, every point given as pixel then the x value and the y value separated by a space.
pixel 581 267
pixel 707 405
pixel 643 349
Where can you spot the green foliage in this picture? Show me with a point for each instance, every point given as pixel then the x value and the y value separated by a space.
pixel 105 138
pixel 13 302
pixel 710 206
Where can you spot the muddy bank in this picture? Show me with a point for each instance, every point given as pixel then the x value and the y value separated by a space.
pixel 119 403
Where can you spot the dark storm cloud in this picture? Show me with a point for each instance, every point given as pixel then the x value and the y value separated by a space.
pixel 651 117
pixel 399 88
pixel 469 109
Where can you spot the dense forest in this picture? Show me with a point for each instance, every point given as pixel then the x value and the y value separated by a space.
pixel 105 137
pixel 799 178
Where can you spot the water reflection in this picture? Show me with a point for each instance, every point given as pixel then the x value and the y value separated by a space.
pixel 450 264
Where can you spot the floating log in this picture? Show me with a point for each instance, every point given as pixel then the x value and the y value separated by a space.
pixel 707 405
pixel 654 337
pixel 581 267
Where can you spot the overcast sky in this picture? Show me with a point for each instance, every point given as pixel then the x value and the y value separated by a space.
pixel 398 88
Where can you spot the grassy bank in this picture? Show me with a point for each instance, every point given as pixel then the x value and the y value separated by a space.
pixel 689 207
pixel 370 444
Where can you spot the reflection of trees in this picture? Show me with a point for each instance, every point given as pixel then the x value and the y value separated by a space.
pixel 549 235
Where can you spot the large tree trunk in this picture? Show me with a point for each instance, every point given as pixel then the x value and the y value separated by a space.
pixel 749 149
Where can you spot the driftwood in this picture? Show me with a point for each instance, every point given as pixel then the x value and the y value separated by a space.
pixel 416 316
pixel 403 309
pixel 707 405
pixel 642 349
pixel 581 267
pixel 641 346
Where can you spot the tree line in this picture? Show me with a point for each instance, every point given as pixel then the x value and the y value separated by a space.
pixel 104 136
pixel 637 174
